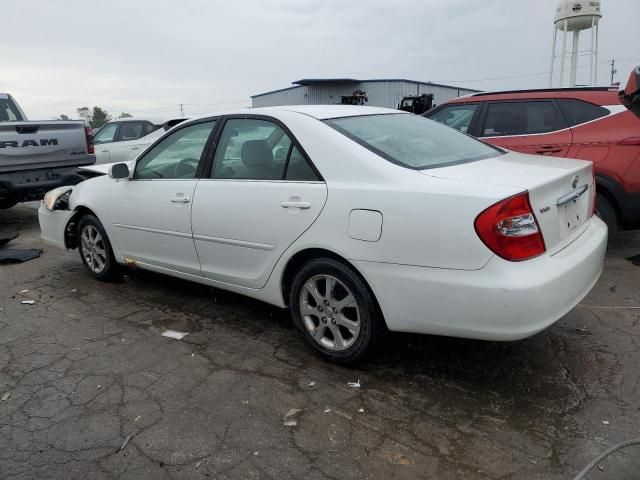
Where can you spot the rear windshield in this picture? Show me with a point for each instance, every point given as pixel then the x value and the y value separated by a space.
pixel 8 111
pixel 412 141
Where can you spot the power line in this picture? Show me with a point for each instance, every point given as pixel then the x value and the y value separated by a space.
pixel 526 74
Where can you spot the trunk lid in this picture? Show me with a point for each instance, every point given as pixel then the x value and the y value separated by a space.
pixel 31 145
pixel 560 190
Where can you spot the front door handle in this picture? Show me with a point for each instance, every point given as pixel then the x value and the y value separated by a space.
pixel 135 148
pixel 180 198
pixel 300 205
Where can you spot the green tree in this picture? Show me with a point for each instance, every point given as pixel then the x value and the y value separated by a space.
pixel 64 117
pixel 125 115
pixel 84 114
pixel 99 117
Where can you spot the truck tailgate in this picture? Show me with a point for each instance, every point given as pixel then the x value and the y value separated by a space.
pixel 32 145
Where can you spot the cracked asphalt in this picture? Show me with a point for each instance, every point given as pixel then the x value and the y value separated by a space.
pixel 85 368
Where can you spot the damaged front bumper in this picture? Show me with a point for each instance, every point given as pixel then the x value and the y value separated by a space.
pixel 53 224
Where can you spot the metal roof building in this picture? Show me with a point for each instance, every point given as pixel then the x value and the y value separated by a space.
pixel 380 93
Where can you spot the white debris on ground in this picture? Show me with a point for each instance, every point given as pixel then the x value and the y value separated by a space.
pixel 28 302
pixel 174 334
pixel 356 384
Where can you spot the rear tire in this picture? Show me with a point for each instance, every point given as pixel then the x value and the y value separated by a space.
pixel 95 250
pixel 607 213
pixel 335 310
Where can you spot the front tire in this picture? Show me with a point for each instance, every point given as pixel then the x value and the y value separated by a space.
pixel 95 250
pixel 607 213
pixel 335 310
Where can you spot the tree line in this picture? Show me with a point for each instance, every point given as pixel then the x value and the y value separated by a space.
pixel 95 117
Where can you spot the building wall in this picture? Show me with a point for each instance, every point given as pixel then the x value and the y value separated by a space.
pixel 380 94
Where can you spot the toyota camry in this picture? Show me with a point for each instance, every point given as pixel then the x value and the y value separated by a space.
pixel 357 219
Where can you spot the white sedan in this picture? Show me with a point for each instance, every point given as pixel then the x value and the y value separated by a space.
pixel 357 219
pixel 123 139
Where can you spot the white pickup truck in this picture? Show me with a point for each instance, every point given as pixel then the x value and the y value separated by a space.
pixel 38 156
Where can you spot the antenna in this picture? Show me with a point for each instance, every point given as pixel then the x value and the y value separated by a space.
pixel 575 16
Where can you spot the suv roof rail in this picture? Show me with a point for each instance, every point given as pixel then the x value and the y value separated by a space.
pixel 549 90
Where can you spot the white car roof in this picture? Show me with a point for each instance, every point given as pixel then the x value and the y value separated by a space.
pixel 320 112
pixel 154 120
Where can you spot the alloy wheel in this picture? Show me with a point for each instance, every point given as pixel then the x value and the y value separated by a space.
pixel 93 249
pixel 330 312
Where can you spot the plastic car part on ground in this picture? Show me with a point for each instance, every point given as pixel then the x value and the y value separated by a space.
pixel 8 255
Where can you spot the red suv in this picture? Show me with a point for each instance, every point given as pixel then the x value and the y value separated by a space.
pixel 588 123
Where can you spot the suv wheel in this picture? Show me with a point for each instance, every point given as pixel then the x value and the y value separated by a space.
pixel 95 250
pixel 335 310
pixel 607 213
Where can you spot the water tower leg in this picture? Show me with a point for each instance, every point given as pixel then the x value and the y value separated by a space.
pixel 564 52
pixel 592 51
pixel 595 63
pixel 574 57
pixel 553 55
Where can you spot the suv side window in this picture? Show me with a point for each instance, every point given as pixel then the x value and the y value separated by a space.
pixel 578 111
pixel 456 116
pixel 130 131
pixel 106 134
pixel 177 156
pixel 254 149
pixel 521 118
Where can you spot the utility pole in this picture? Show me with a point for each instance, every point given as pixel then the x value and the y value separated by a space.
pixel 181 105
pixel 613 70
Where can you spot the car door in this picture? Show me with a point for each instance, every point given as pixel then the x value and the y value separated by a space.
pixel 151 212
pixel 127 144
pixel 528 126
pixel 104 141
pixel 261 194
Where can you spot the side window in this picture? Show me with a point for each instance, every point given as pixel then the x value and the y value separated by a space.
pixel 521 118
pixel 578 111
pixel 455 116
pixel 130 131
pixel 251 149
pixel 177 155
pixel 150 127
pixel 106 134
pixel 298 169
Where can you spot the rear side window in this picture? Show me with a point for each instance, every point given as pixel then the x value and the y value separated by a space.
pixel 521 118
pixel 455 116
pixel 412 141
pixel 578 111
pixel 8 111
pixel 130 131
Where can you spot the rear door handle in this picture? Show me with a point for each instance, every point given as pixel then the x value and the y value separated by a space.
pixel 180 198
pixel 549 149
pixel 135 148
pixel 300 205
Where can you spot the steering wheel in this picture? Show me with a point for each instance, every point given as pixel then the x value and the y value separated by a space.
pixel 186 168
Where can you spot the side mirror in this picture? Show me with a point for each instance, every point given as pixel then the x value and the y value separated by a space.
pixel 119 170
pixel 630 96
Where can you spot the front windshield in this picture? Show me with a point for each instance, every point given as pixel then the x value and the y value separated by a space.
pixel 412 141
pixel 8 111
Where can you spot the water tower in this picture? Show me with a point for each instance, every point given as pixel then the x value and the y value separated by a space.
pixel 576 16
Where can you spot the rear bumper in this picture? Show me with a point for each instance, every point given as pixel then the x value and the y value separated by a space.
pixel 53 225
pixel 503 301
pixel 33 184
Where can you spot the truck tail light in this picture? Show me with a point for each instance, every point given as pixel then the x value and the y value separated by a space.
pixel 510 229
pixel 89 135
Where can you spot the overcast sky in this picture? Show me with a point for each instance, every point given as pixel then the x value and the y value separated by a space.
pixel 144 57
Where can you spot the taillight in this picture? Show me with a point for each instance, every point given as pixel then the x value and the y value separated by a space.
pixel 89 136
pixel 510 229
